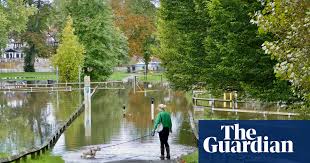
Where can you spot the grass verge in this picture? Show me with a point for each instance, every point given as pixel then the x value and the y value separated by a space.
pixel 28 76
pixel 191 158
pixel 118 76
pixel 155 77
pixel 46 158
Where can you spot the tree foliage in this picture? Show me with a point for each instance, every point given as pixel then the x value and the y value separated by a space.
pixel 213 42
pixel 36 33
pixel 13 18
pixel 105 45
pixel 181 35
pixel 70 54
pixel 136 18
pixel 289 23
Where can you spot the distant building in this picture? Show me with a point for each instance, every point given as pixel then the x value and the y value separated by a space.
pixel 13 51
pixel 154 65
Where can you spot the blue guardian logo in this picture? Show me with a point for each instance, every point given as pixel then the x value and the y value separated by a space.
pixel 254 141
pixel 244 141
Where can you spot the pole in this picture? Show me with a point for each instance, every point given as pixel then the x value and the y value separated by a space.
pixel 124 110
pixel 134 84
pixel 236 100
pixel 224 99
pixel 80 77
pixel 57 75
pixel 152 109
pixel 87 100
pixel 230 98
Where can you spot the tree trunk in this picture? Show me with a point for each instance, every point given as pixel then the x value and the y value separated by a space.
pixel 29 60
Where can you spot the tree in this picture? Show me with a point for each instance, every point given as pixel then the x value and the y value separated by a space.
pixel 181 35
pixel 105 45
pixel 13 18
pixel 288 22
pixel 36 33
pixel 136 18
pixel 70 54
pixel 234 50
pixel 213 43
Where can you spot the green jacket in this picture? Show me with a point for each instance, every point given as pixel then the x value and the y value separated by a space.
pixel 164 118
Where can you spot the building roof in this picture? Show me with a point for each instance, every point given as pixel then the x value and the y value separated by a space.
pixel 10 50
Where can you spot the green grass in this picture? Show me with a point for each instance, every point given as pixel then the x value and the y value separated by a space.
pixel 191 158
pixel 151 77
pixel 4 155
pixel 156 77
pixel 28 76
pixel 118 76
pixel 46 158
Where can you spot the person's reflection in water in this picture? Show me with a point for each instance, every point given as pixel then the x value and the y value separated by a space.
pixel 163 126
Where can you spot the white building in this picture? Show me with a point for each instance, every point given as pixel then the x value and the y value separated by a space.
pixel 13 51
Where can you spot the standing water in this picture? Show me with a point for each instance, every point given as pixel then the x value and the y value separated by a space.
pixel 27 119
pixel 113 132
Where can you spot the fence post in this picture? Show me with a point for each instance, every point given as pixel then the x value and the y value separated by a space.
pixel 224 100
pixel 57 75
pixel 152 109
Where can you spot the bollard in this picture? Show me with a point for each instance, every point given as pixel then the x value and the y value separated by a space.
pixel 152 109
pixel 51 144
pixel 124 110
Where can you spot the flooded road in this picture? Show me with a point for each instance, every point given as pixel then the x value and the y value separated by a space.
pixel 109 127
pixel 27 119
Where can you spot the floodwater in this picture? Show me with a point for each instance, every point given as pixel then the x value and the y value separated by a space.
pixel 113 132
pixel 27 119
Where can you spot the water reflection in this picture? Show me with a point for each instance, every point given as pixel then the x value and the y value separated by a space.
pixel 109 127
pixel 27 119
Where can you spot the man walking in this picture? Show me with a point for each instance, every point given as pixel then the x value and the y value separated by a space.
pixel 163 126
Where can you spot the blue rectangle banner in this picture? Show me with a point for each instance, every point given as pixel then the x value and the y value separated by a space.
pixel 254 141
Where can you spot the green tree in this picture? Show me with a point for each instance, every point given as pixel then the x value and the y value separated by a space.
pixel 36 34
pixel 233 47
pixel 105 45
pixel 181 33
pixel 13 18
pixel 70 54
pixel 213 43
pixel 288 22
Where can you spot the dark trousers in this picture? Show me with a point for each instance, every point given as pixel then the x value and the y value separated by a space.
pixel 163 137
